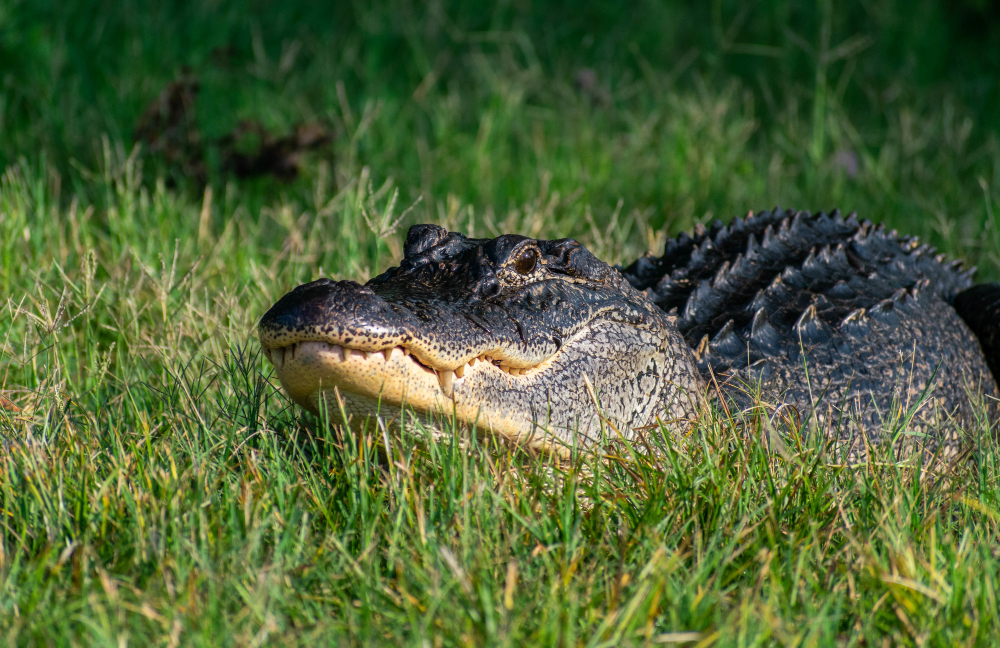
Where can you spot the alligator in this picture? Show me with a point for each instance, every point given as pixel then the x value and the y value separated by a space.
pixel 865 334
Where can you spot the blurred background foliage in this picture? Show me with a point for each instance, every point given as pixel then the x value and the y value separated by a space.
pixel 683 110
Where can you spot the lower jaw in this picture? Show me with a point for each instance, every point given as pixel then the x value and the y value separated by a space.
pixel 339 404
pixel 328 390
pixel 365 414
pixel 323 387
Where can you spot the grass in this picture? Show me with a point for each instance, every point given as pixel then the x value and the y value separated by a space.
pixel 156 489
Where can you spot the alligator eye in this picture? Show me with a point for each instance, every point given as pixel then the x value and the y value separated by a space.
pixel 526 261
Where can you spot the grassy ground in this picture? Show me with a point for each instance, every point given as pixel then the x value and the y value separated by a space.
pixel 155 489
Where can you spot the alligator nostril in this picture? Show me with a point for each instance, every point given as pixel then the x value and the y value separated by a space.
pixel 490 287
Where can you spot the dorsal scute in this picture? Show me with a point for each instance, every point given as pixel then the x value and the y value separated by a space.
pixel 727 342
pixel 764 335
pixel 782 263
pixel 811 329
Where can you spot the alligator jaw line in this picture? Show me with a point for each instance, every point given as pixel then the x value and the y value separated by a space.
pixel 280 356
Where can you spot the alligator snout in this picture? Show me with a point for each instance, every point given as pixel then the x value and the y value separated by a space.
pixel 325 308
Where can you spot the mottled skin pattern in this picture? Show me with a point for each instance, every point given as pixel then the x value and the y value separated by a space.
pixel 825 318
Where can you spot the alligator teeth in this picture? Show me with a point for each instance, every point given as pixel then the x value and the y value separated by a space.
pixel 338 352
pixel 361 354
pixel 279 357
pixel 460 372
pixel 387 353
pixel 447 381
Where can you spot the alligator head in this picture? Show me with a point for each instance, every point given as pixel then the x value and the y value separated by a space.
pixel 512 334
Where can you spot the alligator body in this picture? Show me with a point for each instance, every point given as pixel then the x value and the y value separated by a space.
pixel 821 317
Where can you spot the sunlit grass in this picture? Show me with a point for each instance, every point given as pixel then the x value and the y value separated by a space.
pixel 155 488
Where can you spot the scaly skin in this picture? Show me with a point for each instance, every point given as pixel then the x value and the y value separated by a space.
pixel 823 317
pixel 834 319
pixel 461 329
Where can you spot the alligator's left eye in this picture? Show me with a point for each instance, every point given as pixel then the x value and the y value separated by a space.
pixel 526 261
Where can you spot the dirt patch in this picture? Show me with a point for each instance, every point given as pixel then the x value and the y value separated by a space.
pixel 168 128
pixel 251 150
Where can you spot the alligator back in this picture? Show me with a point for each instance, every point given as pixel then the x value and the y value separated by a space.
pixel 841 320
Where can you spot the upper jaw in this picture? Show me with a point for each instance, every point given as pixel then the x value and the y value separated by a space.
pixel 353 318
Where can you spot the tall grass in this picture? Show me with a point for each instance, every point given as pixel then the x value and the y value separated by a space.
pixel 157 490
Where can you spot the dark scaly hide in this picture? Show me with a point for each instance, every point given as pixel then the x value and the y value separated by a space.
pixel 843 322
